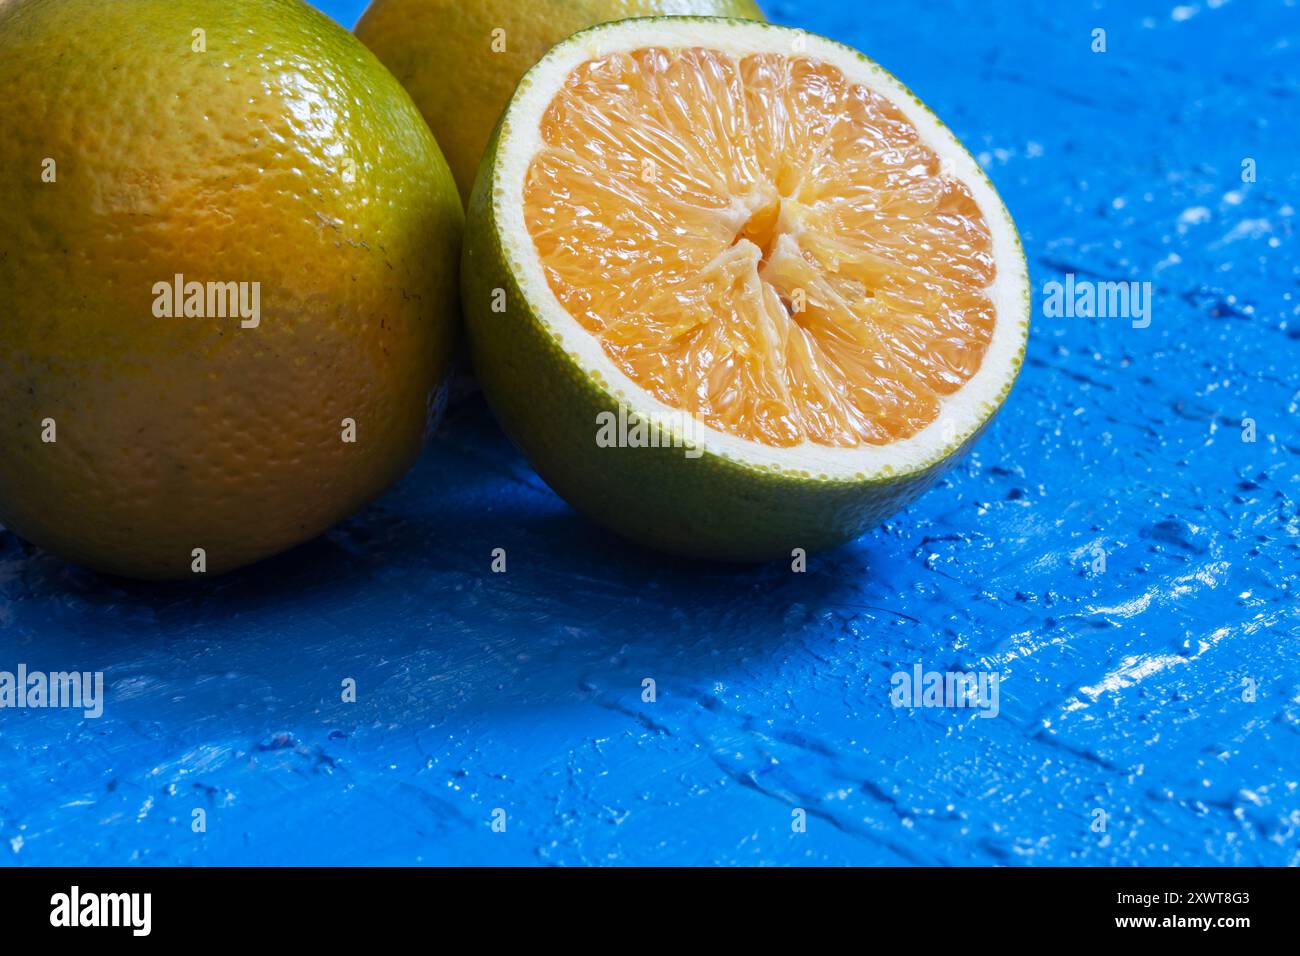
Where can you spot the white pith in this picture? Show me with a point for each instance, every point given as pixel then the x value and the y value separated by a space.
pixel 961 413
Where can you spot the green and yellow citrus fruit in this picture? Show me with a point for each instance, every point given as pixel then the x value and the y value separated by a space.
pixel 461 59
pixel 733 289
pixel 254 149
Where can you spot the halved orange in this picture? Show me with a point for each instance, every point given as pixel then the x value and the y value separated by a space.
pixel 750 241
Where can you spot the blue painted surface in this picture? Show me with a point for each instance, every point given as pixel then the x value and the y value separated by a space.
pixel 1121 690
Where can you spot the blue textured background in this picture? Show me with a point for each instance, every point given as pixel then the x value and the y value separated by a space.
pixel 1121 691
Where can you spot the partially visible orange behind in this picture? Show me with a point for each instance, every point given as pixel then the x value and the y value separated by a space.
pixel 461 59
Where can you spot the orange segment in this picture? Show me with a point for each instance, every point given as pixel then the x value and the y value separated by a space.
pixel 761 243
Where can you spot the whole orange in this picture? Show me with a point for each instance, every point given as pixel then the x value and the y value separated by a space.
pixel 227 279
